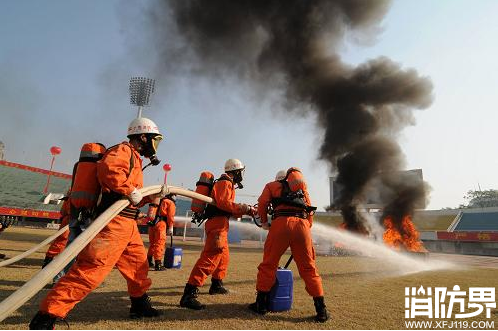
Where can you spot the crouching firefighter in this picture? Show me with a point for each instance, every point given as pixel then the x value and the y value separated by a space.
pixel 161 216
pixel 288 201
pixel 119 243
pixel 214 257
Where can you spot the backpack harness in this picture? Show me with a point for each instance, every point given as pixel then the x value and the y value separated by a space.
pixel 109 198
pixel 210 211
pixel 292 199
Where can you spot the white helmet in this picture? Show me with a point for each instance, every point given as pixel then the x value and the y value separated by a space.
pixel 281 174
pixel 233 164
pixel 142 125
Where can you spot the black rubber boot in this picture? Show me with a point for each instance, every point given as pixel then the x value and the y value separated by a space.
pixel 47 260
pixel 149 259
pixel 322 314
pixel 261 304
pixel 189 298
pixel 159 266
pixel 42 321
pixel 141 307
pixel 217 287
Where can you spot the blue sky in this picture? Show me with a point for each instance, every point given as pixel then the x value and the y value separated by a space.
pixel 454 43
pixel 65 66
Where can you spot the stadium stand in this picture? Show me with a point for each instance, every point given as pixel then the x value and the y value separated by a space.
pixel 434 220
pixel 475 220
pixel 424 220
pixel 21 193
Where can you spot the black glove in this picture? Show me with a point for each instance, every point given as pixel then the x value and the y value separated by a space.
pixel 153 222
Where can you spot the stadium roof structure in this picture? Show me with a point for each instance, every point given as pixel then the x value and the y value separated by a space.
pixel 21 190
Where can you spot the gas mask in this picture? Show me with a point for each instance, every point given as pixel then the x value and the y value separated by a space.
pixel 149 149
pixel 238 176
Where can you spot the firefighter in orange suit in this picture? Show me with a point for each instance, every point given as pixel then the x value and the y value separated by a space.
pixel 58 245
pixel 214 258
pixel 119 243
pixel 163 219
pixel 291 222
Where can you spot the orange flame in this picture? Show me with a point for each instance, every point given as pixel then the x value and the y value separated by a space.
pixel 408 239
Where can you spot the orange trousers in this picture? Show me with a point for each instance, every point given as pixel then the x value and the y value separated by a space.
pixel 119 244
pixel 215 256
pixel 58 245
pixel 157 240
pixel 294 232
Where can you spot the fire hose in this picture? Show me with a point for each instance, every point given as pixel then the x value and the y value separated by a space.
pixel 256 218
pixel 45 275
pixel 34 249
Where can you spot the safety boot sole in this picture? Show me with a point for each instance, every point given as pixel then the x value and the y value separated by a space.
pixel 194 306
pixel 322 318
pixel 222 291
pixel 254 307
pixel 147 314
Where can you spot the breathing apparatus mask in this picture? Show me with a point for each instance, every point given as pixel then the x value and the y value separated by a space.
pixel 149 148
pixel 238 177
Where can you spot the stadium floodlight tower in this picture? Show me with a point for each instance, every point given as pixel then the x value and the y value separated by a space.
pixel 140 90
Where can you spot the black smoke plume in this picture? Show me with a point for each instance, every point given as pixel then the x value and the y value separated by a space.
pixel 292 46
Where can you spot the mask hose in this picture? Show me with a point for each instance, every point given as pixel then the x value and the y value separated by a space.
pixel 153 161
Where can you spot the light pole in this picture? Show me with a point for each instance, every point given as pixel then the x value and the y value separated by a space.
pixel 140 90
pixel 54 150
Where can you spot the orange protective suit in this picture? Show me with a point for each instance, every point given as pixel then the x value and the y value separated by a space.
pixel 215 256
pixel 157 233
pixel 58 245
pixel 118 244
pixel 168 211
pixel 287 231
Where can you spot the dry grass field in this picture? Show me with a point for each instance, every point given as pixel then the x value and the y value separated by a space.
pixel 361 293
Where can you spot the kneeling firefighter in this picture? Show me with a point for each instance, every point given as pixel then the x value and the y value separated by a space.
pixel 119 243
pixel 161 217
pixel 288 201
pixel 214 257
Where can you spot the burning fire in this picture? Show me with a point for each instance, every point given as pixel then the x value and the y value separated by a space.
pixel 404 237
